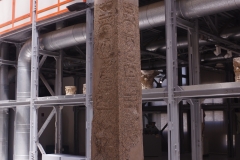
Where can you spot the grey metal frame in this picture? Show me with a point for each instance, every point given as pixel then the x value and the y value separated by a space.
pixel 89 69
pixel 58 115
pixel 172 94
pixel 34 86
pixel 172 80
pixel 195 105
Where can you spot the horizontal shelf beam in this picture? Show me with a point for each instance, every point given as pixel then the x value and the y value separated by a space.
pixel 227 90
pixel 12 103
pixel 77 99
pixel 154 94
pixel 7 62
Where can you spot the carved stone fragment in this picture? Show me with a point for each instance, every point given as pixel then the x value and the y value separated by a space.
pixel 70 90
pixel 236 65
pixel 84 88
pixel 117 121
pixel 147 78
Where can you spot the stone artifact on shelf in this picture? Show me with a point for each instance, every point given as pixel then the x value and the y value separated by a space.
pixel 147 78
pixel 70 90
pixel 236 65
pixel 84 88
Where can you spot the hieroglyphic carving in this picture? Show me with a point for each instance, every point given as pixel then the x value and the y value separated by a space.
pixel 129 57
pixel 104 97
pixel 117 128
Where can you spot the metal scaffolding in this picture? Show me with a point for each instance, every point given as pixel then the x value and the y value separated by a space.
pixel 172 94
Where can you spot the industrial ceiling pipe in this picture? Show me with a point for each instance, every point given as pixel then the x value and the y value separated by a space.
pixel 154 14
pixel 182 43
pixel 150 16
pixel 232 33
pixel 4 96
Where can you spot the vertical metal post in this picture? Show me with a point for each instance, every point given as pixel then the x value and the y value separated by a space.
pixel 196 130
pixel 194 79
pixel 229 78
pixel 34 87
pixel 193 55
pixel 172 80
pixel 89 68
pixel 58 115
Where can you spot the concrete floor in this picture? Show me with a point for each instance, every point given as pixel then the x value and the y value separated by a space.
pixel 188 157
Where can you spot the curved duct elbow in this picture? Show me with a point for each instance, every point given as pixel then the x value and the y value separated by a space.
pixel 66 37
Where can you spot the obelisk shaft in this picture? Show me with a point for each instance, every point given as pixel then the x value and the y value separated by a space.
pixel 117 120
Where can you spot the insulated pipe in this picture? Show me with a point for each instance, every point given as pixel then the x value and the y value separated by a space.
pixel 181 43
pixel 154 14
pixel 4 96
pixel 150 16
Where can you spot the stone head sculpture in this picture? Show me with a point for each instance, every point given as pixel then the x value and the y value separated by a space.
pixel 70 90
pixel 147 78
pixel 236 65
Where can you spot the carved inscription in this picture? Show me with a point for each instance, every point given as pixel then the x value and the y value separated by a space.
pixel 130 104
pixel 117 128
pixel 104 132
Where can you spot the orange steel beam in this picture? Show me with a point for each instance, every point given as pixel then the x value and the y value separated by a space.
pixel 22 17
pixel 6 24
pixel 30 15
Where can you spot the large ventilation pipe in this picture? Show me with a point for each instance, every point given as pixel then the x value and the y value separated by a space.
pixel 56 40
pixel 4 96
pixel 154 14
pixel 150 16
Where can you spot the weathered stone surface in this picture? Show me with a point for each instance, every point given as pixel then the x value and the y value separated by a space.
pixel 117 121
pixel 236 65
pixel 70 90
pixel 147 78
pixel 84 89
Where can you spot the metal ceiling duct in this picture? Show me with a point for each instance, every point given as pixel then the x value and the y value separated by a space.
pixel 231 33
pixel 182 42
pixel 150 16
pixel 154 14
pixel 4 96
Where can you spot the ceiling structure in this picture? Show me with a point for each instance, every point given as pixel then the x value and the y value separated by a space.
pixel 216 25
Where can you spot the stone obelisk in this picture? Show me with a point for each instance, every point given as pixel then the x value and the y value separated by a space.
pixel 117 120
